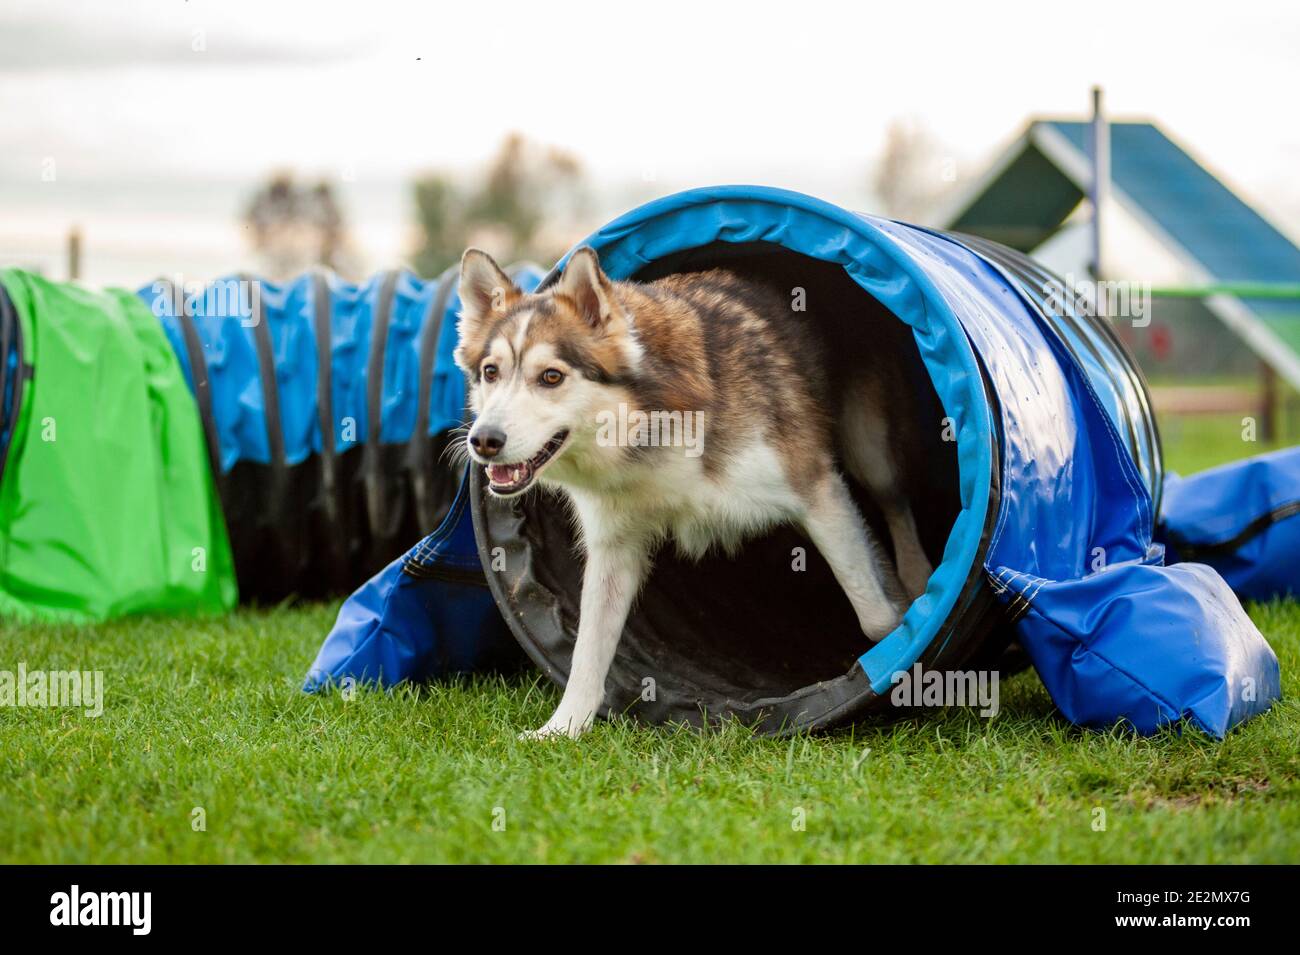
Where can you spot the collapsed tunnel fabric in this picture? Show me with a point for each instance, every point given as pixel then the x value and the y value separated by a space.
pixel 327 408
pixel 427 614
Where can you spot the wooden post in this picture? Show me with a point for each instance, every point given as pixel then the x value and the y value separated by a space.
pixel 74 254
pixel 1267 403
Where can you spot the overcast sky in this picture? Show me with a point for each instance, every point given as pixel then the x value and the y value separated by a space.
pixel 160 113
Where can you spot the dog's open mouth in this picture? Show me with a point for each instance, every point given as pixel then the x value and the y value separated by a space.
pixel 507 479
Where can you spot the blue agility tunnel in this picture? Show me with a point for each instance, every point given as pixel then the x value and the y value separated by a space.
pixel 330 460
pixel 1040 517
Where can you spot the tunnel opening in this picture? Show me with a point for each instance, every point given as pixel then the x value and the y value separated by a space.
pixel 736 634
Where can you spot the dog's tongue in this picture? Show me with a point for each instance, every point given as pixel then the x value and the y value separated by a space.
pixel 507 473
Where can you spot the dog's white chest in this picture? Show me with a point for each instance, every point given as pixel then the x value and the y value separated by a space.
pixel 750 497
pixel 677 500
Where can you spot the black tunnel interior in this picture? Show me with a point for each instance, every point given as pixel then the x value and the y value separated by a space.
pixel 749 635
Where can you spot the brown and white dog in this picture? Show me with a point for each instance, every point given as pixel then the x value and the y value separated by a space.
pixel 745 419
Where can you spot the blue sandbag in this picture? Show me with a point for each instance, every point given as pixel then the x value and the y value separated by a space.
pixel 1148 644
pixel 1243 519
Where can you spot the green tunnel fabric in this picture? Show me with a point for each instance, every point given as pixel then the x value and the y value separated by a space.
pixel 107 505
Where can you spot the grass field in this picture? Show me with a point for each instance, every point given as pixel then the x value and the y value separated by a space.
pixel 207 716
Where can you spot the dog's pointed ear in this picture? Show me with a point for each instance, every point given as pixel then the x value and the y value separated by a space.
pixel 485 291
pixel 484 288
pixel 589 287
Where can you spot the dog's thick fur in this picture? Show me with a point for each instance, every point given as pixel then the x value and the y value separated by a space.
pixel 547 368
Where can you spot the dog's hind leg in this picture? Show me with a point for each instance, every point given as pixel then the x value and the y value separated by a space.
pixel 610 582
pixel 913 565
pixel 833 522
pixel 869 457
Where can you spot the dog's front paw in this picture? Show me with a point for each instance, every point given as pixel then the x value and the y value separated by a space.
pixel 555 728
pixel 882 624
pixel 543 732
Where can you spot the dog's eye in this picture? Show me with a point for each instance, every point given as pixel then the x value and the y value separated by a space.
pixel 490 372
pixel 551 377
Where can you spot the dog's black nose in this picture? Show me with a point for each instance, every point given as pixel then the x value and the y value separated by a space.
pixel 487 441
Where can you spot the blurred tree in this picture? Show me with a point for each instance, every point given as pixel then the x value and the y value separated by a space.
pixel 526 206
pixel 912 173
pixel 297 225
pixel 439 214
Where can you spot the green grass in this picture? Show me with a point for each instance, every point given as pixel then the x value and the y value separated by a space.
pixel 1195 443
pixel 208 714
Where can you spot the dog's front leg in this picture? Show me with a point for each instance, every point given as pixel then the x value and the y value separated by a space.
pixel 610 582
